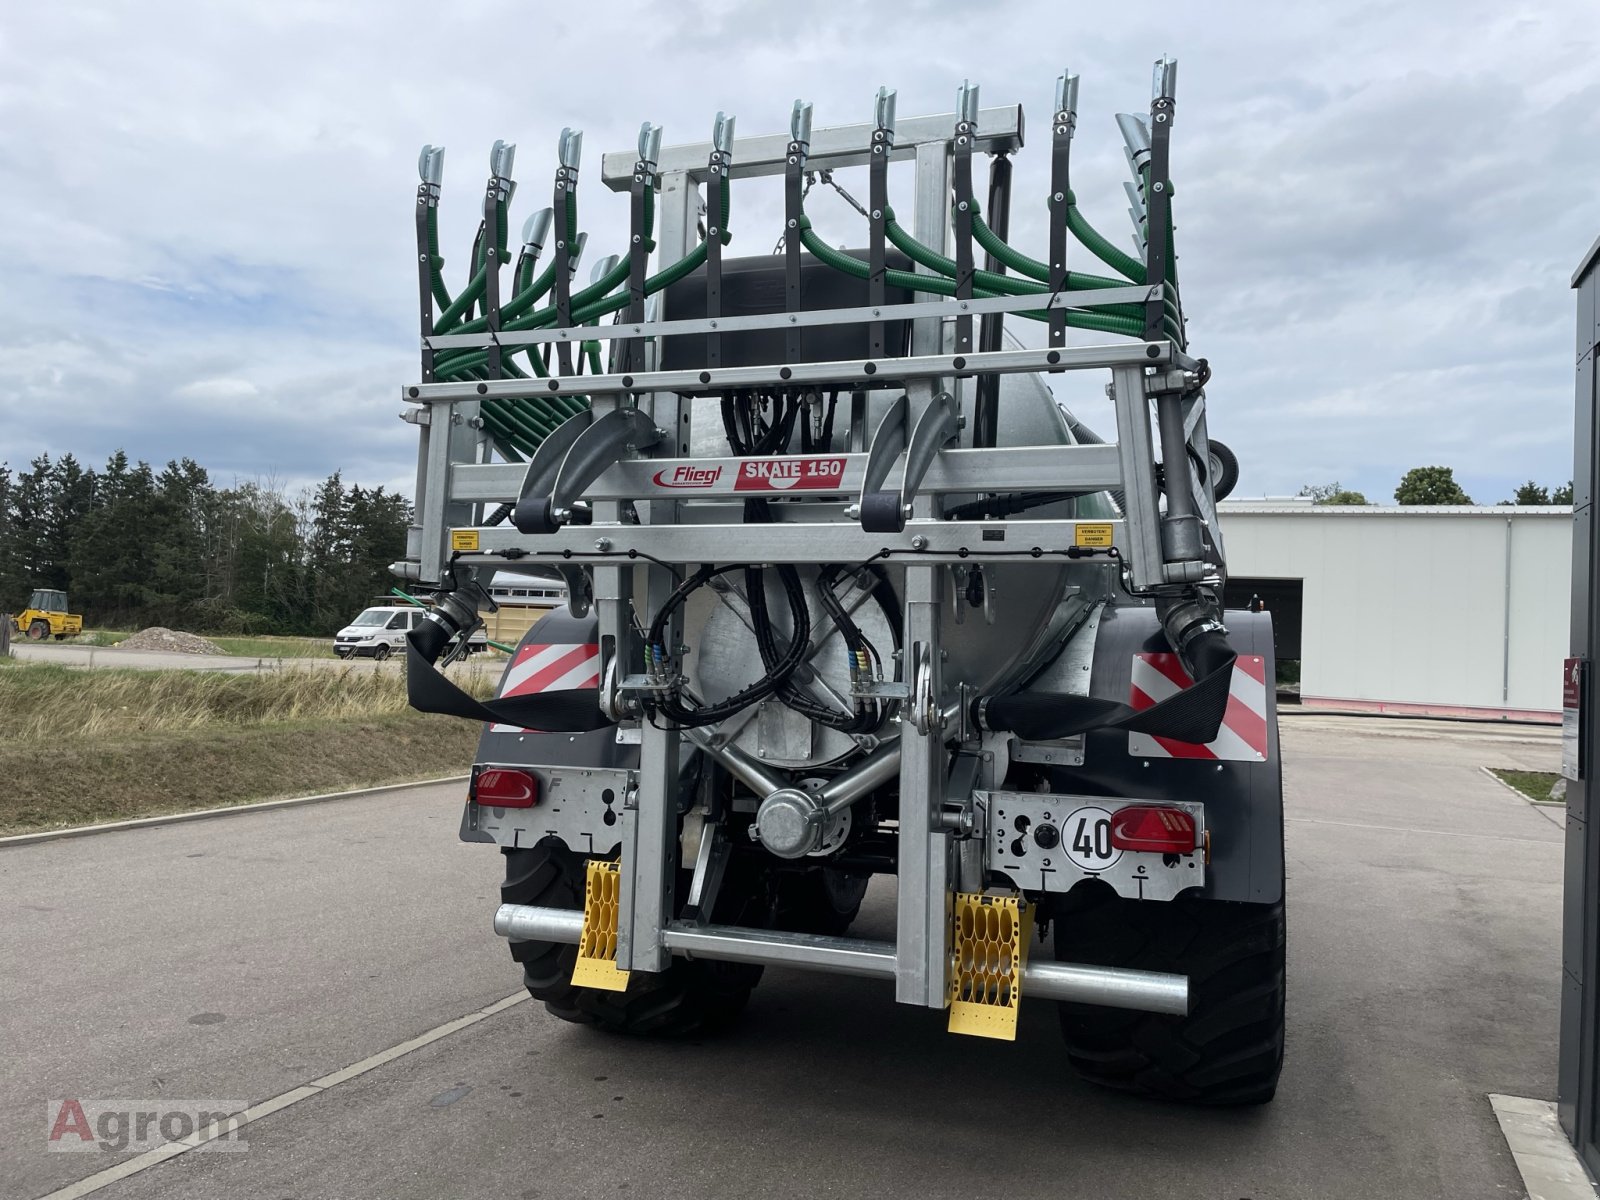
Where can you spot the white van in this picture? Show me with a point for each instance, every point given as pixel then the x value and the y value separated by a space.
pixel 381 631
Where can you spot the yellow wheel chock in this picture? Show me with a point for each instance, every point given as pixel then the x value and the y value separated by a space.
pixel 988 947
pixel 597 950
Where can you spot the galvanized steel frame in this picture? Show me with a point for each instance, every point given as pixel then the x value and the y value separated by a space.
pixel 628 558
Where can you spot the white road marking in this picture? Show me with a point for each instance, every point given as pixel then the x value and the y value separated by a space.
pixel 315 1087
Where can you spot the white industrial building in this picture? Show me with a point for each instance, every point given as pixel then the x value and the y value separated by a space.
pixel 1447 611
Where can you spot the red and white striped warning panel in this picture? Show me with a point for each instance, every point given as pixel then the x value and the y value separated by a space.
pixel 554 667
pixel 1243 736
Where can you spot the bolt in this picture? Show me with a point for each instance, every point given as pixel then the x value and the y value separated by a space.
pixel 603 545
pixel 636 239
pixel 1160 187
pixel 962 206
pixel 1059 197
pixel 760 752
pixel 793 223
pixel 919 542
pixel 1161 118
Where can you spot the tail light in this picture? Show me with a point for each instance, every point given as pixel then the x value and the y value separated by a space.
pixel 1153 828
pixel 505 787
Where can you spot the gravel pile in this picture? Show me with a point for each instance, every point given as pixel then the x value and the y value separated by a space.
pixel 158 637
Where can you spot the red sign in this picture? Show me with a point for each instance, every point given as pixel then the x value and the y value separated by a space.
pixel 790 475
pixel 1243 736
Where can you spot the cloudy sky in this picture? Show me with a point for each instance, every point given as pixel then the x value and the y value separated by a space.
pixel 206 221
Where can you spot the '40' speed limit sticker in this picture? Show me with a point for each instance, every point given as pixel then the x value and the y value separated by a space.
pixel 1086 837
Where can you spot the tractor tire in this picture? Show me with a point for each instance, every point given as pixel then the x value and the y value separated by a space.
pixel 39 631
pixel 820 901
pixel 1229 1049
pixel 381 654
pixel 690 996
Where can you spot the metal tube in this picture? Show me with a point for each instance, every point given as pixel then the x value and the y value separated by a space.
pixel 836 955
pixel 1174 456
pixel 527 923
pixel 1110 987
pixel 923 364
pixel 877 769
pixel 744 768
pixel 835 146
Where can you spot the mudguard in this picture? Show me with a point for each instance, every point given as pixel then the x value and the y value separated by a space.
pixel 505 746
pixel 1243 799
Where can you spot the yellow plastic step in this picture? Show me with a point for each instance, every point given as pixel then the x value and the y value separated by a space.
pixel 597 950
pixel 988 947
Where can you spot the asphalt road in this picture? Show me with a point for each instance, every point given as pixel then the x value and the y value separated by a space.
pixel 236 959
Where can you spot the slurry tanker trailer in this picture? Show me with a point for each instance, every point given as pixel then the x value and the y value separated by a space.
pixel 852 596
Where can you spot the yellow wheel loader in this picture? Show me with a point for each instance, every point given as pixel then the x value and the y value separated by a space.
pixel 46 616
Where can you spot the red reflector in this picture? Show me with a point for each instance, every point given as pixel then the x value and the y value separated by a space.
pixel 501 787
pixel 1146 827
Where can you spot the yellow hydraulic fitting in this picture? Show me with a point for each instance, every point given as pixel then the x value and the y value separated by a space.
pixel 597 950
pixel 988 947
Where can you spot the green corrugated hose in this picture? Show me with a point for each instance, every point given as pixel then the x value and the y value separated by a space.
pixel 939 285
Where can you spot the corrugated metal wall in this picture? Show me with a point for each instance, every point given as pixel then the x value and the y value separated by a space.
pixel 1443 608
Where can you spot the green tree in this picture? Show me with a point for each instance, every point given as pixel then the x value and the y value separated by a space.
pixel 1332 493
pixel 31 500
pixel 13 588
pixel 1533 494
pixel 71 498
pixel 1430 485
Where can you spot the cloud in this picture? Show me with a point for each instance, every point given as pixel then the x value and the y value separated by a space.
pixel 218 389
pixel 208 240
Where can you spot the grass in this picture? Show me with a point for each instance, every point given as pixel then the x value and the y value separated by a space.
pixel 1535 785
pixel 245 647
pixel 90 746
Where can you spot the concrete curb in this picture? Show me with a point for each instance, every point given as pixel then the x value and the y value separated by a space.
pixel 50 835
pixel 1521 795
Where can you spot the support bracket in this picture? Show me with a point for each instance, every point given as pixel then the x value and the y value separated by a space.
pixel 882 509
pixel 586 446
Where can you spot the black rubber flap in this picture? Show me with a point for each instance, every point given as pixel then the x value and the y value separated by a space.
pixel 573 711
pixel 1193 715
